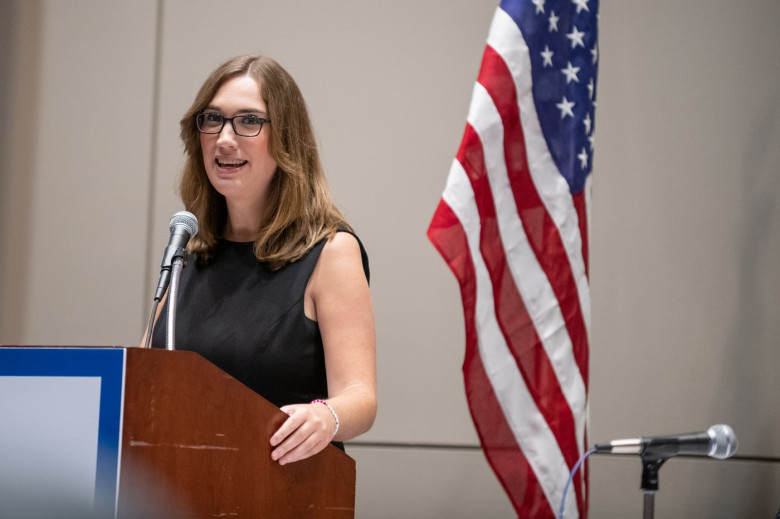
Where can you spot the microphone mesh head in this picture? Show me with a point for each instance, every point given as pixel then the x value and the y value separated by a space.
pixel 187 219
pixel 723 441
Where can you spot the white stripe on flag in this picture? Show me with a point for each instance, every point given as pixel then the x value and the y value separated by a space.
pixel 588 196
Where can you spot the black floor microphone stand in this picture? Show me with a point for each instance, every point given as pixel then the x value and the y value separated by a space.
pixel 650 467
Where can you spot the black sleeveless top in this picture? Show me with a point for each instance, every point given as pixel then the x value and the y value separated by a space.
pixel 249 321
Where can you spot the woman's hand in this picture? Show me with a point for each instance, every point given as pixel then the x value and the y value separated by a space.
pixel 308 430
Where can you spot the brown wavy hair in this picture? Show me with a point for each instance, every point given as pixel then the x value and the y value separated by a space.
pixel 299 210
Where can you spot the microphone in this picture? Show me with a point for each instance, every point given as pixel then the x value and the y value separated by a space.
pixel 719 441
pixel 183 226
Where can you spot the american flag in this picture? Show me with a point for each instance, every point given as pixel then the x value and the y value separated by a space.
pixel 512 225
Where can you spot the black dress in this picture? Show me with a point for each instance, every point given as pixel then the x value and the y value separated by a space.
pixel 249 321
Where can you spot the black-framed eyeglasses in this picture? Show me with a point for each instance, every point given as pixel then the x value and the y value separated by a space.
pixel 245 125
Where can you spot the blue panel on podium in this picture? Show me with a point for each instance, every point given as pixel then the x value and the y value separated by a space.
pixel 61 430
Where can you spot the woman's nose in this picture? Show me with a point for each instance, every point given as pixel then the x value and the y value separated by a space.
pixel 227 137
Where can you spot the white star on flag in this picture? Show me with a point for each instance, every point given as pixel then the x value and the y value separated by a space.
pixel 587 123
pixel 547 54
pixel 576 38
pixel 553 22
pixel 583 156
pixel 566 107
pixel 571 73
pixel 581 5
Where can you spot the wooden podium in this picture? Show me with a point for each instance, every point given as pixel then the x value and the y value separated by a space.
pixel 193 442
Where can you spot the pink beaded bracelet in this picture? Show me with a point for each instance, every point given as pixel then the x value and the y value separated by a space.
pixel 332 411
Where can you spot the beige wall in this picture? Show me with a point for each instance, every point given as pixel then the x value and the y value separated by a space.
pixel 686 220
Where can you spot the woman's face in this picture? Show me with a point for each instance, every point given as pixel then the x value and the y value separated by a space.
pixel 239 168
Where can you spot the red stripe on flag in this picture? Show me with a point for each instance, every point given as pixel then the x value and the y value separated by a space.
pixel 511 313
pixel 539 226
pixel 498 441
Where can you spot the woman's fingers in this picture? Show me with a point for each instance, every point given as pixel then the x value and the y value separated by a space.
pixel 308 447
pixel 302 435
pixel 292 423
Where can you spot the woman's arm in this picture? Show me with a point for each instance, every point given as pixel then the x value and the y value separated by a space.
pixel 338 298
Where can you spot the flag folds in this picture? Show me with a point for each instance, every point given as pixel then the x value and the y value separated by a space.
pixel 512 226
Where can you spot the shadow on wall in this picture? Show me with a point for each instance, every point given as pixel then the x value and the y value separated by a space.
pixel 20 51
pixel 752 358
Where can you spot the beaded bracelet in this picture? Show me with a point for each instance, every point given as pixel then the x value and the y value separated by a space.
pixel 332 411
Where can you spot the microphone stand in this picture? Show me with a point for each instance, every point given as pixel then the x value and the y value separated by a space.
pixel 170 335
pixel 650 467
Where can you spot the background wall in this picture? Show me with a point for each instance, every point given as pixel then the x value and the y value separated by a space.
pixel 685 228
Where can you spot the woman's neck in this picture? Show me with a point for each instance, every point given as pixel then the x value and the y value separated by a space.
pixel 243 223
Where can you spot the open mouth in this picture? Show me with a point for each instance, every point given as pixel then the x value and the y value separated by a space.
pixel 229 163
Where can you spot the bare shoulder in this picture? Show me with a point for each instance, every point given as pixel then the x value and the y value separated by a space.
pixel 342 245
pixel 341 257
pixel 339 264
